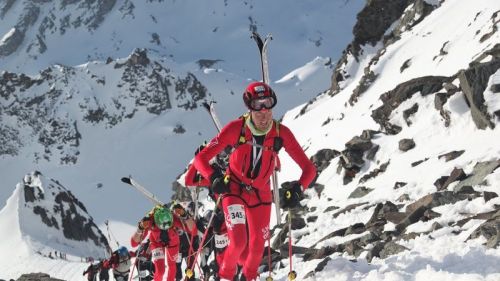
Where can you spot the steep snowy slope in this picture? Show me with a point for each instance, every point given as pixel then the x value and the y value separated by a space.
pixel 45 228
pixel 407 145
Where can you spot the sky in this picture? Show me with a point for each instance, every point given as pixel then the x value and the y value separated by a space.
pixel 145 147
pixel 440 255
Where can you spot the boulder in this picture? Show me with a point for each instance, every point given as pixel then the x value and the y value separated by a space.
pixel 473 82
pixel 406 144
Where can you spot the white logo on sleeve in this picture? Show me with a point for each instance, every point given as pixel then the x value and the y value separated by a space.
pixel 236 214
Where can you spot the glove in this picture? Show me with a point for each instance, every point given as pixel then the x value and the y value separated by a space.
pixel 145 224
pixel 291 195
pixel 218 221
pixel 219 186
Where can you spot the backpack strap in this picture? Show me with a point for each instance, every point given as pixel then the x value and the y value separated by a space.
pixel 278 141
pixel 242 139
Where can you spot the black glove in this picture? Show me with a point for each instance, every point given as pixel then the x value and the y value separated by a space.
pixel 291 195
pixel 219 186
pixel 218 221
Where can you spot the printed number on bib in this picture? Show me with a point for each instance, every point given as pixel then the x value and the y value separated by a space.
pixel 236 214
pixel 157 254
pixel 221 241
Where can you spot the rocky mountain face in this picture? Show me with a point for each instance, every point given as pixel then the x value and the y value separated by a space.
pixel 59 18
pixel 49 108
pixel 376 27
pixel 380 24
pixel 49 203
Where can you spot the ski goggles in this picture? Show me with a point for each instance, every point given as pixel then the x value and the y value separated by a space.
pixel 262 103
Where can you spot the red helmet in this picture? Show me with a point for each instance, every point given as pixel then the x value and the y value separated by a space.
pixel 258 96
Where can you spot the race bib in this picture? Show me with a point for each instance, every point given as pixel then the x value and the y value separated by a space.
pixel 157 254
pixel 221 241
pixel 236 214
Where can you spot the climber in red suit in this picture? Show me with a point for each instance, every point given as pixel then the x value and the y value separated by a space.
pixel 245 185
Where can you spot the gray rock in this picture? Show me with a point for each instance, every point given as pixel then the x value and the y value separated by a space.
pixel 391 248
pixel 323 157
pixel 356 228
pixel 370 155
pixel 451 155
pixel 411 218
pixel 480 171
pixel 407 113
pixel 399 184
pixel 473 82
pixel 375 172
pixel 456 175
pixel 489 195
pixel 375 18
pixel 489 230
pixel 360 192
pixel 359 143
pixel 414 164
pixel 406 144
pixel 404 91
pixel 37 277
pixel 348 209
pixel 322 253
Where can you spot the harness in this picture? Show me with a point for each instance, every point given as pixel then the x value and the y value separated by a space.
pixel 277 145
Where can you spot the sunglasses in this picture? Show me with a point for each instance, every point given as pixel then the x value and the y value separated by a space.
pixel 260 103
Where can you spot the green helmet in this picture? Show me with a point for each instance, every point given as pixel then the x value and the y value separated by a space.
pixel 163 218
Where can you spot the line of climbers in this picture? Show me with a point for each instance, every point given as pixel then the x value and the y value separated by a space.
pixel 166 235
pixel 246 155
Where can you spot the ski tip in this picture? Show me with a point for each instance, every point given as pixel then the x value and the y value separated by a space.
pixel 206 105
pixel 126 180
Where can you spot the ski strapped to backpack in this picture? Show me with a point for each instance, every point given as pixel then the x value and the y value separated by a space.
pixel 262 45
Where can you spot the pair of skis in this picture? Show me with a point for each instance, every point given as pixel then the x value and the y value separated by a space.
pixel 262 45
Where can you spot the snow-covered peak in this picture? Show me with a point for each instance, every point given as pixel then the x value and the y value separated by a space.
pixel 45 217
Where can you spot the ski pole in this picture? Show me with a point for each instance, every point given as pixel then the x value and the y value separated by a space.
pixel 110 234
pixel 190 241
pixel 292 274
pixel 269 260
pixel 189 271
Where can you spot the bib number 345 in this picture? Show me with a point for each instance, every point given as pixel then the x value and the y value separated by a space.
pixel 236 214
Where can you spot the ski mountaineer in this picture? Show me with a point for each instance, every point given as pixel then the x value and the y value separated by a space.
pixel 120 262
pixel 92 272
pixel 103 272
pixel 143 263
pixel 183 211
pixel 245 185
pixel 162 227
pixel 217 235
